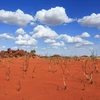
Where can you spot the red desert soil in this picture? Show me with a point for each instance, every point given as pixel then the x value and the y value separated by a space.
pixel 39 83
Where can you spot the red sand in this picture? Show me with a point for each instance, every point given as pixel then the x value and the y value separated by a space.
pixel 46 85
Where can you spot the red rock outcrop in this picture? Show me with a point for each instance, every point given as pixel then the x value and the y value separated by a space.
pixel 15 53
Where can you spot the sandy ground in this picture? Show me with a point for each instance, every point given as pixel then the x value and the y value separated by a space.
pixel 40 82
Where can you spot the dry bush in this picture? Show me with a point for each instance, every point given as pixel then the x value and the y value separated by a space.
pixel 53 64
pixel 56 62
pixel 8 74
pixel 89 74
pixel 64 64
pixel 33 72
pixel 82 84
pixel 94 62
pixel 19 86
pixel 25 62
pixel 7 66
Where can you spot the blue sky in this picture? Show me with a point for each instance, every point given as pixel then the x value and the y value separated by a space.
pixel 65 27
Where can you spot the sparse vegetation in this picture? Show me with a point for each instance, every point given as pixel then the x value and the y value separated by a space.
pixel 19 86
pixel 67 70
pixel 33 51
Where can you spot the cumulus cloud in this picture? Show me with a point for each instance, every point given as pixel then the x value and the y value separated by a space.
pixel 78 41
pixel 84 43
pixel 51 37
pixel 20 31
pixel 91 21
pixel 49 41
pixel 43 32
pixel 97 36
pixel 53 16
pixel 15 18
pixel 33 24
pixel 85 35
pixel 70 39
pixel 61 43
pixel 25 40
pixel 7 36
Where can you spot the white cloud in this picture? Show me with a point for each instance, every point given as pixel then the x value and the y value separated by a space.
pixel 53 16
pixel 70 39
pixel 14 48
pixel 49 41
pixel 77 40
pixel 61 43
pixel 6 36
pixel 25 40
pixel 91 21
pixel 43 32
pixel 85 34
pixel 84 43
pixel 15 18
pixel 25 47
pixel 20 31
pixel 33 24
pixel 97 36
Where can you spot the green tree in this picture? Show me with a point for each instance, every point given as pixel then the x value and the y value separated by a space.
pixel 33 51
